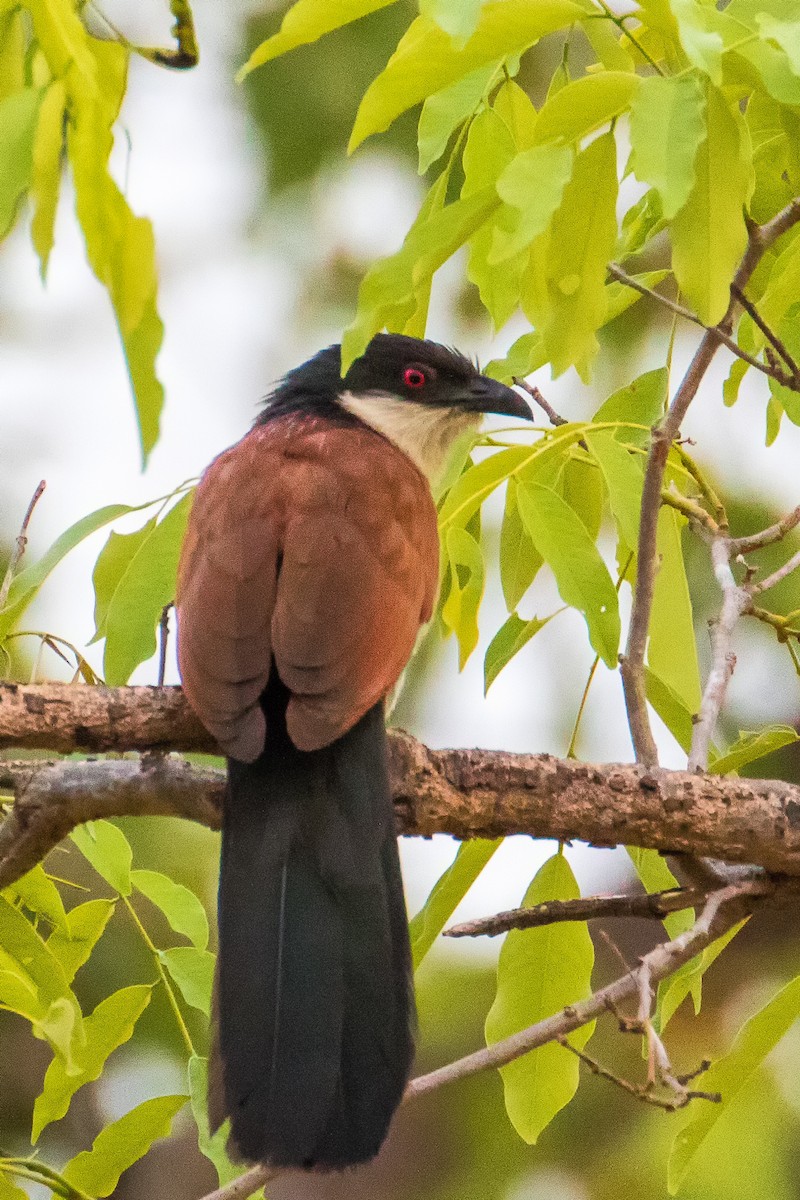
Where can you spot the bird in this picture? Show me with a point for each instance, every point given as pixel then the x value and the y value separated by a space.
pixel 310 562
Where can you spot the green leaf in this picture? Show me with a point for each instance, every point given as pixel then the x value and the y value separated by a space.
pixel 307 21
pixel 211 1145
pixel 121 1144
pixel 688 979
pixel 519 559
pixel 580 246
pixel 507 642
pixel 479 481
pixel 426 60
pixel 608 48
pixel 457 18
pixel 656 876
pixel 641 222
pixel 22 945
pixel 788 331
pixel 623 474
pixel 585 104
pixel 108 1027
pixel 581 575
pixel 786 34
pixel 667 127
pixel 533 183
pixel 48 147
pixel 37 892
pixel 750 746
pixel 671 650
pixel 709 234
pixel 541 971
pixel 143 589
pixel 13 45
pixel 85 925
pixel 193 972
pixel 112 563
pixel 443 112
pixel 26 584
pixel 447 893
pixel 180 906
pixel 9 1190
pixel 757 1037
pixel 108 850
pixel 387 296
pixel 641 402
pixel 673 709
pixel 467 575
pixel 702 44
pixel 18 117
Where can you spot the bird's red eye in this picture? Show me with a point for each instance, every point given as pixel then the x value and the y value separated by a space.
pixel 413 377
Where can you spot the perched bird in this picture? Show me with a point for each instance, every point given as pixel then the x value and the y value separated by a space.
pixel 310 562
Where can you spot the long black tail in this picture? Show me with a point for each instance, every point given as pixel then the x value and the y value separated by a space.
pixel 314 1001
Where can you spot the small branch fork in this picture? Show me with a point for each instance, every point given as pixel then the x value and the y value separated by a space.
pixel 19 548
pixel 632 668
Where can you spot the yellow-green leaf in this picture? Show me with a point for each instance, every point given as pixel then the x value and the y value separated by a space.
pixel 512 635
pixel 519 559
pixel 180 906
pixel 445 110
pixel 109 1026
pixel 750 746
pixel 307 21
pixel 457 18
pixel 212 1145
pixel 85 925
pixel 48 147
pixel 18 117
pixel 584 105
pixel 623 474
pixel 709 234
pixel 667 128
pixel 541 971
pixel 37 892
pixel 580 246
pixel 121 1144
pixel 581 575
pixel 447 893
pixel 757 1037
pixel 467 577
pixel 108 850
pixel 671 650
pixel 533 183
pixel 193 971
pixel 426 60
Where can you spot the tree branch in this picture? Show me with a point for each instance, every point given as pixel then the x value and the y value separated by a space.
pixel 466 793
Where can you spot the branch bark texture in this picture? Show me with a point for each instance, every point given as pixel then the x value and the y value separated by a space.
pixel 466 793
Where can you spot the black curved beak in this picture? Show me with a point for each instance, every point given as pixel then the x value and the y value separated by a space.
pixel 488 396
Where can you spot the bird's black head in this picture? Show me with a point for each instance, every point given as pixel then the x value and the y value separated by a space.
pixel 396 367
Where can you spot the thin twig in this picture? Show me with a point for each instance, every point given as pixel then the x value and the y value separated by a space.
pixel 163 639
pixel 775 578
pixel 768 333
pixel 553 417
pixel 244 1185
pixel 589 908
pixel 690 508
pixel 19 549
pixel 657 965
pixel 642 1092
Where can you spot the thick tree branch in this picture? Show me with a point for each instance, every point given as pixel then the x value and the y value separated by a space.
pixel 466 793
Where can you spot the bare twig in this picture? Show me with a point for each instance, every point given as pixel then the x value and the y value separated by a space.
pixel 735 601
pixel 768 333
pixel 19 549
pixel 588 908
pixel 766 537
pixel 761 237
pixel 553 417
pixel 163 639
pixel 656 965
pixel 792 564
pixel 244 1185
pixel 642 1092
pixel 691 509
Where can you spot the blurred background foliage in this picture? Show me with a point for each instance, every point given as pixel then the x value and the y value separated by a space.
pixel 259 269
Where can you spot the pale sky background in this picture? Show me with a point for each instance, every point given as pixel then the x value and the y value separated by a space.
pixel 232 265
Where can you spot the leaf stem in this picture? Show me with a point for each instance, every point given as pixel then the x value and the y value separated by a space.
pixel 165 979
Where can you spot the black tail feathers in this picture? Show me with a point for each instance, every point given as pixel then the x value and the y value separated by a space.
pixel 314 1001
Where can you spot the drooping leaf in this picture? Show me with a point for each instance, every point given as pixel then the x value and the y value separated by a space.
pixel 9 1190
pixel 85 925
pixel 750 746
pixel 671 650
pixel 447 893
pixel 426 60
pixel 37 892
pixel 623 474
pixel 387 296
pixel 585 104
pixel 22 944
pixel 512 635
pixel 580 246
pixel 728 1075
pixel 108 1027
pixel 709 233
pixel 519 559
pixel 467 578
pixel 210 1145
pixel 673 709
pixel 143 589
pixel 121 1144
pixel 179 905
pixel 581 575
pixel 193 972
pixel 108 850
pixel 533 183
pixel 541 971
pixel 444 111
pixel 48 147
pixel 18 116
pixel 688 979
pixel 307 21
pixel 111 564
pixel 667 127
